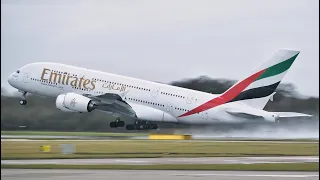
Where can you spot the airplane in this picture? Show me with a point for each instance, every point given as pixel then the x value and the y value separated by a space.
pixel 83 90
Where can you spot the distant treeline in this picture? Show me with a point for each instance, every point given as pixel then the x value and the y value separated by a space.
pixel 41 113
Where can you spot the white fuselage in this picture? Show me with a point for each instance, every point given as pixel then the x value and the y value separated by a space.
pixel 53 79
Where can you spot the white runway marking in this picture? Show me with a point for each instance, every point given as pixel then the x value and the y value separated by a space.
pixel 56 174
pixel 252 175
pixel 200 160
pixel 130 161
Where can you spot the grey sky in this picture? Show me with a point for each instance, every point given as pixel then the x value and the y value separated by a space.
pixel 163 40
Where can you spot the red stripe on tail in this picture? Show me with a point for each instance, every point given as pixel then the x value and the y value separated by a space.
pixel 226 96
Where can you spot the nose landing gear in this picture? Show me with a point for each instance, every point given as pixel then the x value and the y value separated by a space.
pixel 23 101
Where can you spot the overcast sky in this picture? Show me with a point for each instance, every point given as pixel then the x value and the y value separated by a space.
pixel 163 40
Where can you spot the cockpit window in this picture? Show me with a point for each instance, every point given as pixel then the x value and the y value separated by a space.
pixel 18 71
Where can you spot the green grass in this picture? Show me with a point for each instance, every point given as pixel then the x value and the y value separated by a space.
pixel 150 148
pixel 221 167
pixel 56 133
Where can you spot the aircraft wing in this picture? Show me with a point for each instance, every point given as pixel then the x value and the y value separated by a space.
pixel 291 114
pixel 112 103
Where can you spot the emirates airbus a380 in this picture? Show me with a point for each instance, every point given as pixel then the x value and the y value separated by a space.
pixel 84 90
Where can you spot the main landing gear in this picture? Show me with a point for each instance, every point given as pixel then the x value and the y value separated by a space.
pixel 138 125
pixel 23 101
pixel 117 123
pixel 141 125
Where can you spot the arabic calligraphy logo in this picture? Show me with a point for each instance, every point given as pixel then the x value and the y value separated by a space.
pixel 116 87
pixel 73 102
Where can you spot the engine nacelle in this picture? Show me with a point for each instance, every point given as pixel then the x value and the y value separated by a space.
pixel 60 104
pixel 72 102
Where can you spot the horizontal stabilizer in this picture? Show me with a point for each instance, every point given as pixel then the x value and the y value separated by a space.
pixel 291 114
pixel 243 114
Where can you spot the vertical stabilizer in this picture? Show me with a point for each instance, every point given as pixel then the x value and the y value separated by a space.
pixel 258 88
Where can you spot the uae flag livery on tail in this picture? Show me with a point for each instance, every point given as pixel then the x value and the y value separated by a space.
pixel 256 89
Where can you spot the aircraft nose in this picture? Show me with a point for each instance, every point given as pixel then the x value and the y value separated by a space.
pixel 10 79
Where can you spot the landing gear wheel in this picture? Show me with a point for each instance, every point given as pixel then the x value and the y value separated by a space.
pixel 141 125
pixel 120 123
pixel 23 102
pixel 155 126
pixel 113 124
pixel 117 123
pixel 130 127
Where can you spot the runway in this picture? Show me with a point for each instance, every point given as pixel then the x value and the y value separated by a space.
pixel 148 161
pixel 130 138
pixel 213 140
pixel 28 174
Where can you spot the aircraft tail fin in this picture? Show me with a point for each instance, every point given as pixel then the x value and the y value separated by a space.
pixel 257 88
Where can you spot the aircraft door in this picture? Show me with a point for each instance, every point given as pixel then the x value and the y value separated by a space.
pixel 190 99
pixel 26 77
pixel 169 108
pixel 82 74
pixel 155 92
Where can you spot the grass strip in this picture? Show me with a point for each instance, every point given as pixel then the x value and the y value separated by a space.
pixel 58 133
pixel 134 149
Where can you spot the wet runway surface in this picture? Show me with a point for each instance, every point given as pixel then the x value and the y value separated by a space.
pixel 28 174
pixel 130 138
pixel 146 161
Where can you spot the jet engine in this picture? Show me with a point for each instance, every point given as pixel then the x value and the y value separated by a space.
pixel 72 102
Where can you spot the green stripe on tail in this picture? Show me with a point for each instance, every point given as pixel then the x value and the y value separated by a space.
pixel 278 68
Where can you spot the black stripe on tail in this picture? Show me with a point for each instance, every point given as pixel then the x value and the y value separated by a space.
pixel 258 92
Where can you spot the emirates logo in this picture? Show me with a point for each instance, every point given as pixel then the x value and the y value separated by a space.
pixel 73 102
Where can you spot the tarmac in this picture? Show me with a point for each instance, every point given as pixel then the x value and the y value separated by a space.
pixel 118 140
pixel 148 161
pixel 130 138
pixel 28 174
